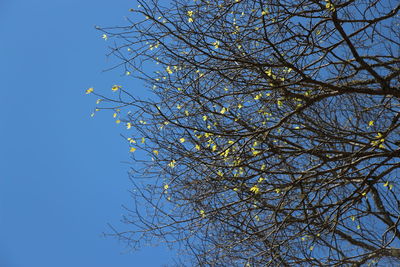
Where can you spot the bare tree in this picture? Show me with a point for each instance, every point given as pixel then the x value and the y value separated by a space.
pixel 273 132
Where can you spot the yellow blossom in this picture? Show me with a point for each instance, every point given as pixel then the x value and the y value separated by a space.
pixel 255 189
pixel 182 140
pixel 115 87
pixel 132 149
pixel 172 164
pixel 379 142
pixel 168 69
pixel 329 6
pixel 90 90
pixel 264 12
pixel 216 44
pixel 202 213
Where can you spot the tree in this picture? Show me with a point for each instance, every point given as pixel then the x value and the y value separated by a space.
pixel 273 132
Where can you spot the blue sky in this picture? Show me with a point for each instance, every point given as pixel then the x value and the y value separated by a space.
pixel 62 176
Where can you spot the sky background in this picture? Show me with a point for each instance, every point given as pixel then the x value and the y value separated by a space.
pixel 62 176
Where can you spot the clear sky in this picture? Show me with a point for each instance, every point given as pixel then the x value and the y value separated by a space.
pixel 62 176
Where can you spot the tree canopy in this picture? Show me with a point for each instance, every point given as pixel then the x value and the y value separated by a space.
pixel 272 137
